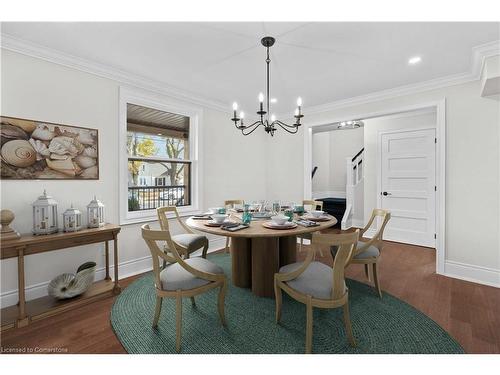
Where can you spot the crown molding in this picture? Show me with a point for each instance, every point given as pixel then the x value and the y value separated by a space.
pixel 8 42
pixel 479 55
pixel 14 44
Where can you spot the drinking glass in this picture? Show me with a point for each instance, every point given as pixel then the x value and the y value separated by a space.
pixel 299 209
pixel 276 207
pixel 246 218
pixel 289 213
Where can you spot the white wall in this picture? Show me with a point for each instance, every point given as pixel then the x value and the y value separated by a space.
pixel 329 151
pixel 36 89
pixel 321 158
pixel 344 143
pixel 472 175
pixel 372 128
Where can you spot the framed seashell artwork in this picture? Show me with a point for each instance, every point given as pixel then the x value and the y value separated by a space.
pixel 38 150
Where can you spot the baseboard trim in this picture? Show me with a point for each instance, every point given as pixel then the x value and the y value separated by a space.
pixel 472 273
pixel 126 269
pixel 463 271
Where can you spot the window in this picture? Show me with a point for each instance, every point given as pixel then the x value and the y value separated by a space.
pixel 159 166
pixel 158 159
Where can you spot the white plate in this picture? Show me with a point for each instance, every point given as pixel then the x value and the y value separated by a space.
pixel 272 225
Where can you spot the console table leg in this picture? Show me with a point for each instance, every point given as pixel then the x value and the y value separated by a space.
pixel 106 244
pixel 117 289
pixel 22 319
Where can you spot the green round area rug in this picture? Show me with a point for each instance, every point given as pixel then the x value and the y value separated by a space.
pixel 380 325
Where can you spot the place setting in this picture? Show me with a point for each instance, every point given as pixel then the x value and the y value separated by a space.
pixel 280 221
pixel 317 215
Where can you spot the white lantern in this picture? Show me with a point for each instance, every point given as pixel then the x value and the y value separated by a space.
pixel 45 215
pixel 95 213
pixel 72 220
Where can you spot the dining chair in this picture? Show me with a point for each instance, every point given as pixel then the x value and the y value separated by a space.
pixel 308 236
pixel 368 252
pixel 317 285
pixel 181 278
pixel 231 203
pixel 187 243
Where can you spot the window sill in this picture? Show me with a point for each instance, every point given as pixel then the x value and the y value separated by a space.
pixel 150 215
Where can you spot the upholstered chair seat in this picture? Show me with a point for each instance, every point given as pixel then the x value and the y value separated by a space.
pixel 316 280
pixel 187 242
pixel 370 252
pixel 176 277
pixel 191 242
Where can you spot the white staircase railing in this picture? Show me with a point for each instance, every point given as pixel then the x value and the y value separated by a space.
pixel 354 188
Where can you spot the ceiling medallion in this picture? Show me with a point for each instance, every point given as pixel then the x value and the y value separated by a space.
pixel 269 123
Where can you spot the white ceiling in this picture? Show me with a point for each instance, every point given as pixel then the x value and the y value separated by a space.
pixel 322 62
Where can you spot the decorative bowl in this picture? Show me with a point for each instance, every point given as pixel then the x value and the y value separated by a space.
pixel 317 213
pixel 219 218
pixel 279 219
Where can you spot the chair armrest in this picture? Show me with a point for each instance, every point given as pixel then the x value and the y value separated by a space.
pixel 294 274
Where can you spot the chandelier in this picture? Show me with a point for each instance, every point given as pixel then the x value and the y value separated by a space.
pixel 269 123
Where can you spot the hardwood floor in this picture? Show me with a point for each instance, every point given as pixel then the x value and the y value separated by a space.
pixel 469 312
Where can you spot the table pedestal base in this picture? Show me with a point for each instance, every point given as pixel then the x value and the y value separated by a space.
pixel 256 260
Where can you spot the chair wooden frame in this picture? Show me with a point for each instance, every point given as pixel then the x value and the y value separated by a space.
pixel 215 280
pixel 340 296
pixel 377 241
pixel 230 204
pixel 164 225
pixel 314 204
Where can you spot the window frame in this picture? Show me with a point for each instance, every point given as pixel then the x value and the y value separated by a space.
pixel 161 103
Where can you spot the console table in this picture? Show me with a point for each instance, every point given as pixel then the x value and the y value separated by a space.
pixel 23 313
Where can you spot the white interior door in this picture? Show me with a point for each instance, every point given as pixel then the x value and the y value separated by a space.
pixel 408 184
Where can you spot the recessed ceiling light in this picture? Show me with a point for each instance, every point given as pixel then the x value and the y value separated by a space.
pixel 273 100
pixel 414 60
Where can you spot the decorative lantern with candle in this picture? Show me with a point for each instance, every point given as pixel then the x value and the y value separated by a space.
pixel 95 213
pixel 72 220
pixel 45 215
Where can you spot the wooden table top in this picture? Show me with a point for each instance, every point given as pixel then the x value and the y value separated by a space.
pixel 256 229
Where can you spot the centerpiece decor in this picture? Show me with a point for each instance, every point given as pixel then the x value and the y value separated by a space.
pixel 269 122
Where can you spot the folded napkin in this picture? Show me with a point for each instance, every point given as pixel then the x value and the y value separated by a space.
pixel 234 227
pixel 306 223
pixel 202 217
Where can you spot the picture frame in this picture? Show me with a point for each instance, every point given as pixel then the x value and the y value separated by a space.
pixel 41 150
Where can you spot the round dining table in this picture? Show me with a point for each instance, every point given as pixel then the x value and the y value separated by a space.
pixel 257 253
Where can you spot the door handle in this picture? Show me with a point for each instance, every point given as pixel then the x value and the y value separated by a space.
pixel 386 193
